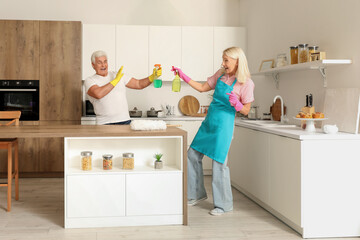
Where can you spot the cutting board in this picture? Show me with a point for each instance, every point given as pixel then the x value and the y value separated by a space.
pixel 275 110
pixel 189 105
pixel 341 107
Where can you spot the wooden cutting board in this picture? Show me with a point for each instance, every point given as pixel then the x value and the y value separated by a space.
pixel 275 110
pixel 189 105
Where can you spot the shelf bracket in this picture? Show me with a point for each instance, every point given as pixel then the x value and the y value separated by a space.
pixel 276 77
pixel 323 74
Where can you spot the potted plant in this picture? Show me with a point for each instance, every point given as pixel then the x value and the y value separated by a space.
pixel 158 162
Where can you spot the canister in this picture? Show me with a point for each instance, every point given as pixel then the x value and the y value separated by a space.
pixel 294 54
pixel 128 160
pixel 86 160
pixel 303 53
pixel 107 161
pixel 313 50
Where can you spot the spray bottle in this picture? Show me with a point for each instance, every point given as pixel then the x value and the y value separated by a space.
pixel 158 81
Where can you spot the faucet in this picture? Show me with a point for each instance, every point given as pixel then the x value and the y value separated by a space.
pixel 282 107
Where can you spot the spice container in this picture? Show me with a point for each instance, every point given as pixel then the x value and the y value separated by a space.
pixel 107 161
pixel 128 161
pixel 86 160
pixel 303 53
pixel 294 54
pixel 313 49
pixel 281 60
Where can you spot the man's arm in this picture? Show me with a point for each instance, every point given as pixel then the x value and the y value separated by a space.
pixel 99 92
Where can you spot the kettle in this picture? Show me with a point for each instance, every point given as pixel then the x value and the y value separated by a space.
pixel 253 113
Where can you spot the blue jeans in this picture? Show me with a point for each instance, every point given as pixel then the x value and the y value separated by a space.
pixel 119 123
pixel 221 185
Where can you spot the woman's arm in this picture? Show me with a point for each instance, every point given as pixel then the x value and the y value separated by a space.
pixel 246 109
pixel 201 87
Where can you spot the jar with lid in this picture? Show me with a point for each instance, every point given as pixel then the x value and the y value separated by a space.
pixel 294 54
pixel 128 160
pixel 86 160
pixel 281 60
pixel 303 53
pixel 312 49
pixel 107 161
pixel 266 116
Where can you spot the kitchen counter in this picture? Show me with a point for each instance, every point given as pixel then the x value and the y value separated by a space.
pixel 168 118
pixel 295 132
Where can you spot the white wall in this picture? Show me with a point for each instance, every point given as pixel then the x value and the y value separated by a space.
pixel 273 26
pixel 133 12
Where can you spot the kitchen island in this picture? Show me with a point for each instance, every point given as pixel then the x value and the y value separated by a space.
pixel 308 180
pixel 118 197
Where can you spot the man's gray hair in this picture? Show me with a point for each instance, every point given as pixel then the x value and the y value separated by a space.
pixel 97 54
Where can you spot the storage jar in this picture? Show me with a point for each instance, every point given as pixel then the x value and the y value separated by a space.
pixel 313 49
pixel 294 54
pixel 107 161
pixel 86 160
pixel 281 60
pixel 128 160
pixel 303 53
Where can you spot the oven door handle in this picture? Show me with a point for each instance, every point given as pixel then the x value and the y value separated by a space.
pixel 18 90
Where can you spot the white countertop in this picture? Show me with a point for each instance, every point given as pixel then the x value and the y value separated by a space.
pixel 296 132
pixel 169 118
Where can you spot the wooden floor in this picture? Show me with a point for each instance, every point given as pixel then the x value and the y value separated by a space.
pixel 39 214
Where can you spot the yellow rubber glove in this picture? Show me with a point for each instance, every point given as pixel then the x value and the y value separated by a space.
pixel 119 75
pixel 156 73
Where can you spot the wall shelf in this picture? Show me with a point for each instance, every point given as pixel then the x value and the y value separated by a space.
pixel 320 65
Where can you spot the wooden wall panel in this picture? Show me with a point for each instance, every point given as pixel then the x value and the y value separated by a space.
pixel 60 70
pixel 19 50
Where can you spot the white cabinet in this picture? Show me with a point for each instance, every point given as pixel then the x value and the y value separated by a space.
pixel 154 194
pixel 225 37
pixel 118 197
pixel 132 44
pixel 165 49
pixel 97 37
pixel 88 196
pixel 197 52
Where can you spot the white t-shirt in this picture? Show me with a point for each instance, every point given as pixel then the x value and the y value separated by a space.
pixel 113 107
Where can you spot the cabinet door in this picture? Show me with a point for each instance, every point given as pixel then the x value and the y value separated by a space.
pixel 225 37
pixel 285 177
pixel 97 37
pixel 154 194
pixel 165 49
pixel 248 162
pixel 198 52
pixel 132 50
pixel 60 70
pixel 95 196
pixel 19 50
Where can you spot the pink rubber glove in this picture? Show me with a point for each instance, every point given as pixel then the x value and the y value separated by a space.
pixel 181 74
pixel 234 101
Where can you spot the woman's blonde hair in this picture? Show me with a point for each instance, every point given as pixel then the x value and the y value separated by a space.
pixel 242 72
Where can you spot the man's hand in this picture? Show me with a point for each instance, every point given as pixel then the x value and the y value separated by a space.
pixel 181 74
pixel 234 101
pixel 156 74
pixel 119 75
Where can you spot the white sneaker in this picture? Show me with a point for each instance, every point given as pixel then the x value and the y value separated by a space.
pixel 217 212
pixel 193 202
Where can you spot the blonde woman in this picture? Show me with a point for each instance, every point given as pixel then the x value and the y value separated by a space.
pixel 234 91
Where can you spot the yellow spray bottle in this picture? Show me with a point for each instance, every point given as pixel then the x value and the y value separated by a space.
pixel 176 83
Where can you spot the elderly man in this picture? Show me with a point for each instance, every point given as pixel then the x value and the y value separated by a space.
pixel 107 93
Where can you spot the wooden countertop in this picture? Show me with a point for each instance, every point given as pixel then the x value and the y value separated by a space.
pixel 82 131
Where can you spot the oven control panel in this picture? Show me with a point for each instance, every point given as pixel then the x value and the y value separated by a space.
pixel 19 83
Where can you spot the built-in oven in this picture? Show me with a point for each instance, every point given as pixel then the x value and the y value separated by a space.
pixel 20 95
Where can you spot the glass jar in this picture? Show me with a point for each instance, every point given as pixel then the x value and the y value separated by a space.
pixel 294 54
pixel 128 160
pixel 281 60
pixel 107 161
pixel 303 53
pixel 266 116
pixel 312 49
pixel 86 160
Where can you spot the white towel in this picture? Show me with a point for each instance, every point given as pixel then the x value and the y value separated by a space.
pixel 148 125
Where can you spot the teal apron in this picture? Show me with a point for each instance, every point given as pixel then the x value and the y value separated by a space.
pixel 214 136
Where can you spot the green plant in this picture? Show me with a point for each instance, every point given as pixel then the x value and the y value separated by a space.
pixel 158 156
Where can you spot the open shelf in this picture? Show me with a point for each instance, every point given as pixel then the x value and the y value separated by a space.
pixel 119 170
pixel 320 65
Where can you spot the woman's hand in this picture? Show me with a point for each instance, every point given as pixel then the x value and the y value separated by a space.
pixel 234 101
pixel 181 74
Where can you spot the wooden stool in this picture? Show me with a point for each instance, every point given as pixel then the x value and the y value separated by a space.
pixel 9 144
